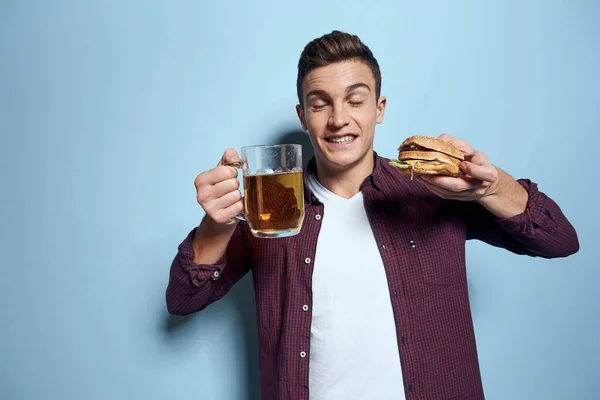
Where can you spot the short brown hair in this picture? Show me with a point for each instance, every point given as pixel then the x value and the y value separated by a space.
pixel 335 47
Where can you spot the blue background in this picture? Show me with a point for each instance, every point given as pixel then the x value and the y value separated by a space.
pixel 108 111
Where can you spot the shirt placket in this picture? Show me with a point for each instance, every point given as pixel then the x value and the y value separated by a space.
pixel 399 304
pixel 305 258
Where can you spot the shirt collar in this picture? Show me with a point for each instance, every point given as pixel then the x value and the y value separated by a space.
pixel 373 179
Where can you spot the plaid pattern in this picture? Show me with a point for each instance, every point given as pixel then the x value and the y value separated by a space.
pixel 421 239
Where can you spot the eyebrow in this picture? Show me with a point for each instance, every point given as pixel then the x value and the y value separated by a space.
pixel 351 88
pixel 357 86
pixel 317 93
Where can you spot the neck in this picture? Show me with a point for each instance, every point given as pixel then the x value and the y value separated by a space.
pixel 344 182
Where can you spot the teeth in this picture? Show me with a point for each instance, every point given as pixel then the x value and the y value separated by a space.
pixel 342 140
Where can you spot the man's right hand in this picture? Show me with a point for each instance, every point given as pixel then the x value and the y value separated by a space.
pixel 217 191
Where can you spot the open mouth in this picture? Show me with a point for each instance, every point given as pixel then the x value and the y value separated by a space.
pixel 341 140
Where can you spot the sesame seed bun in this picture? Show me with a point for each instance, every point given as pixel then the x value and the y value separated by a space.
pixel 432 143
pixel 424 155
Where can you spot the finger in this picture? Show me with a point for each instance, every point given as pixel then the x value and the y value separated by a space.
pixel 230 156
pixel 439 191
pixel 451 184
pixel 215 206
pixel 486 173
pixel 215 175
pixel 226 215
pixel 222 188
pixel 461 144
pixel 465 195
pixel 479 158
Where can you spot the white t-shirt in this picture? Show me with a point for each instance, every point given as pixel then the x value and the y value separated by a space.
pixel 353 346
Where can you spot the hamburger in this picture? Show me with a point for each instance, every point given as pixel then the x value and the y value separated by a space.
pixel 424 155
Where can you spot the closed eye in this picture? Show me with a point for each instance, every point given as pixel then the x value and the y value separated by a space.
pixel 356 99
pixel 318 106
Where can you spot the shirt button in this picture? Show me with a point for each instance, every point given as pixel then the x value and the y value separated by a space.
pixel 305 307
pixel 307 260
pixel 216 274
pixel 318 217
pixel 413 244
pixel 302 354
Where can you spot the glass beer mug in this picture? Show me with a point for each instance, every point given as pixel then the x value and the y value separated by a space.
pixel 273 187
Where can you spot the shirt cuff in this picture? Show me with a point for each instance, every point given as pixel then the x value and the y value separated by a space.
pixel 199 273
pixel 535 215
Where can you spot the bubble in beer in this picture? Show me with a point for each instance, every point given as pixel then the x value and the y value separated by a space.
pixel 264 216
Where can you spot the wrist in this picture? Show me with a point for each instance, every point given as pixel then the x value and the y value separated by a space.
pixel 210 227
pixel 505 197
pixel 210 240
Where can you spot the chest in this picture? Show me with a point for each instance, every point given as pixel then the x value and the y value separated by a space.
pixel 418 244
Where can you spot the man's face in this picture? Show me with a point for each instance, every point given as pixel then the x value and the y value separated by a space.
pixel 340 112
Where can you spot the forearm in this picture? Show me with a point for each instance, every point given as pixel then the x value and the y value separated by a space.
pixel 210 241
pixel 541 230
pixel 507 198
pixel 194 285
pixel 189 290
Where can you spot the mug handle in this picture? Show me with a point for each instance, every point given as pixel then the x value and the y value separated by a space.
pixel 241 216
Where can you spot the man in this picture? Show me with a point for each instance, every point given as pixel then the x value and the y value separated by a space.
pixel 369 300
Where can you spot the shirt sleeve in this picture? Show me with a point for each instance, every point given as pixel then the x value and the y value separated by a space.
pixel 192 287
pixel 542 230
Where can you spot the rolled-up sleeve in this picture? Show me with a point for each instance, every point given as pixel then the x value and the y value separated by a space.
pixel 192 287
pixel 198 274
pixel 541 230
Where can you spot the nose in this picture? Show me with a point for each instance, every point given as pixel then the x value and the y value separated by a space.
pixel 339 117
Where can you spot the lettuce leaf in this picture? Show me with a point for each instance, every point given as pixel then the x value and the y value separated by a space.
pixel 399 164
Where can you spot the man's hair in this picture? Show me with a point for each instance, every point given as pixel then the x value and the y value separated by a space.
pixel 335 47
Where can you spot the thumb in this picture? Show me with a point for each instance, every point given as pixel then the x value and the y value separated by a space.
pixel 230 156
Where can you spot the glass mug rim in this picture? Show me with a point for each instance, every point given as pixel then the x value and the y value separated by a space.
pixel 240 164
pixel 272 145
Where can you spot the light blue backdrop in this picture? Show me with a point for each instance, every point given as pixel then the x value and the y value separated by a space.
pixel 108 111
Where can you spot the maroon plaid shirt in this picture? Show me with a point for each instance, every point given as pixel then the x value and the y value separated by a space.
pixel 421 239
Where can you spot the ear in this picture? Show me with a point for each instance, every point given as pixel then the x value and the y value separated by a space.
pixel 301 117
pixel 381 103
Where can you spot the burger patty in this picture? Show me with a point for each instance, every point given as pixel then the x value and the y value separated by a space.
pixel 428 155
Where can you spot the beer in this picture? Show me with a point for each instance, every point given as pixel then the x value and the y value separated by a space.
pixel 274 203
pixel 273 189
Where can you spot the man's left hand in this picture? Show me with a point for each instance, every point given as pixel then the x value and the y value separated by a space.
pixel 477 178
